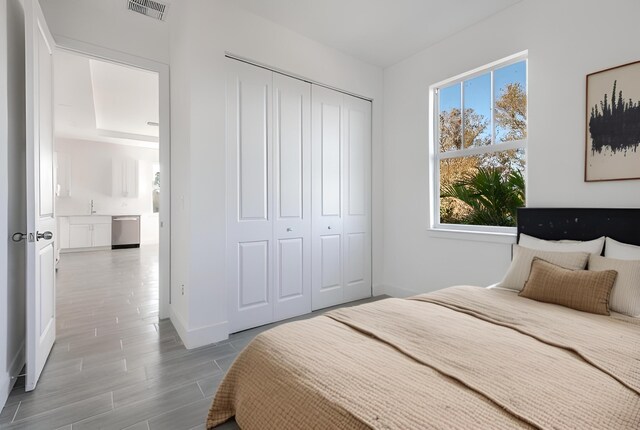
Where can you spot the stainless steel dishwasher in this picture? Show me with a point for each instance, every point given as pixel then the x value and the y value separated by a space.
pixel 125 231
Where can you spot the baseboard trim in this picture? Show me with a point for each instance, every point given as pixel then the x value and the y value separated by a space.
pixel 8 379
pixel 200 336
pixel 399 292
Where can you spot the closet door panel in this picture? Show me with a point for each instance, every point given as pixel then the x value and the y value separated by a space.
pixel 249 205
pixel 357 185
pixel 330 159
pixel 331 262
pixel 356 256
pixel 327 192
pixel 253 148
pixel 290 269
pixel 292 195
pixel 253 274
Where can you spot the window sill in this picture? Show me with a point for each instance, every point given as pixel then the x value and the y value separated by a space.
pixel 473 235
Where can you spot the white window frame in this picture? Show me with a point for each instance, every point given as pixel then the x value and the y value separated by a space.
pixel 434 146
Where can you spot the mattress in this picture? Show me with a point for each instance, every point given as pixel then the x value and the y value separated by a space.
pixel 463 357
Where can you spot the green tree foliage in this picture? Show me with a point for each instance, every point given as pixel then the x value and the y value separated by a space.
pixel 492 197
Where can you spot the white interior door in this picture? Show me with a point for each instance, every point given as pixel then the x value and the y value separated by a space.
pixel 327 224
pixel 356 132
pixel 249 218
pixel 41 225
pixel 292 196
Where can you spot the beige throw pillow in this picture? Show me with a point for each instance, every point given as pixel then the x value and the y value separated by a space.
pixel 520 267
pixel 625 296
pixel 582 290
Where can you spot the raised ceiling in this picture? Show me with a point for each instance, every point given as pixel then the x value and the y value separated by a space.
pixel 105 102
pixel 379 32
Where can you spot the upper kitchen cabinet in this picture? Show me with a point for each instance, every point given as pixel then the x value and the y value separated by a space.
pixel 124 176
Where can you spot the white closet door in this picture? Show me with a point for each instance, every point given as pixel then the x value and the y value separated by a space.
pixel 249 225
pixel 327 220
pixel 292 196
pixel 356 137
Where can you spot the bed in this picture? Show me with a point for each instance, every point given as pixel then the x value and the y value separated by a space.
pixel 463 357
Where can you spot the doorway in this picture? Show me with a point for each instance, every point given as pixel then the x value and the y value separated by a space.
pixel 127 122
pixel 108 202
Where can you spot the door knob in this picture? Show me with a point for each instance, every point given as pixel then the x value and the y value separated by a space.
pixel 328 227
pixel 17 237
pixel 47 235
pixel 289 229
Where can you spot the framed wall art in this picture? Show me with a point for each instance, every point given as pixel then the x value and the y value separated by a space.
pixel 612 151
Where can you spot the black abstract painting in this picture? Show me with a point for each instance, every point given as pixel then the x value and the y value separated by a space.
pixel 613 124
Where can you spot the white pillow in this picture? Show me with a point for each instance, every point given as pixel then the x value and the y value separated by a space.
pixel 621 251
pixel 520 267
pixel 590 246
pixel 625 295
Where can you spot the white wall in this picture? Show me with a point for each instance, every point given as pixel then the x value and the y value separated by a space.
pixel 91 179
pixel 204 31
pixel 12 193
pixel 566 41
pixel 109 24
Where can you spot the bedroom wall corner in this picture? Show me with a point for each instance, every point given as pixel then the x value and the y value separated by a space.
pixel 563 48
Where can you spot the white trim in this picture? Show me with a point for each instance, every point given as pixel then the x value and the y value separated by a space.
pixel 292 75
pixel 486 149
pixel 506 61
pixel 5 380
pixel 162 69
pixel 8 379
pixel 200 336
pixel 473 233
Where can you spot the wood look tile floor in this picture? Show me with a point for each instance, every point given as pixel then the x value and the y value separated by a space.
pixel 114 364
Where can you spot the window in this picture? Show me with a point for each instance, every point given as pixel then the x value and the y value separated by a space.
pixel 479 138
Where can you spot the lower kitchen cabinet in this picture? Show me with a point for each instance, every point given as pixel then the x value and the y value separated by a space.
pixel 85 232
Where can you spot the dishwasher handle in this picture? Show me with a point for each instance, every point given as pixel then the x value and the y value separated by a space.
pixel 131 218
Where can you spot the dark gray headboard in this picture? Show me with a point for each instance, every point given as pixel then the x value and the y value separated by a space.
pixel 580 223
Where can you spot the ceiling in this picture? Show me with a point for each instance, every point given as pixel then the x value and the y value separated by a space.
pixel 106 102
pixel 379 32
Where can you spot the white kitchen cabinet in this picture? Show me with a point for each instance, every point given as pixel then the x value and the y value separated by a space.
pixel 80 236
pixel 63 232
pixel 101 235
pixel 124 177
pixel 85 232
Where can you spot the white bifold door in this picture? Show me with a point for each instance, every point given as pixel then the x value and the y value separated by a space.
pixel 298 187
pixel 268 188
pixel 341 170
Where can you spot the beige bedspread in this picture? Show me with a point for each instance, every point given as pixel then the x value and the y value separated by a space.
pixel 459 358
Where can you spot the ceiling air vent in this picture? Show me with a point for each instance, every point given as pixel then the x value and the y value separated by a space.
pixel 150 8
